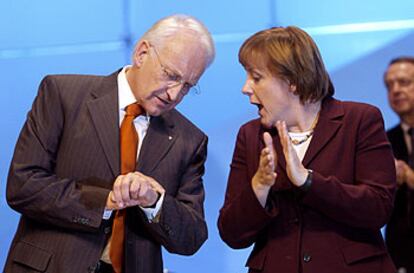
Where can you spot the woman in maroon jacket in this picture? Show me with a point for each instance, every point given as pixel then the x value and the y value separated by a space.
pixel 311 180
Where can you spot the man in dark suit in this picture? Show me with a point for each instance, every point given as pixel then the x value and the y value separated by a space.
pixel 65 177
pixel 399 80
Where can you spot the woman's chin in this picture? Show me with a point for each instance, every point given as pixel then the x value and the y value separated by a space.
pixel 266 123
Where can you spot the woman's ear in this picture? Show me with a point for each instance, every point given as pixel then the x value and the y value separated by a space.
pixel 141 52
pixel 292 88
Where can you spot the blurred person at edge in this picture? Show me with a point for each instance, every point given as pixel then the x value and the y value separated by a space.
pixel 312 179
pixel 399 235
pixel 66 178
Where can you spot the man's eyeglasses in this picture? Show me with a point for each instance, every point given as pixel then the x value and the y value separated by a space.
pixel 174 79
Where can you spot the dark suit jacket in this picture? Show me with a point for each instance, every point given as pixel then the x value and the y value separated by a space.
pixel 400 229
pixel 335 226
pixel 64 165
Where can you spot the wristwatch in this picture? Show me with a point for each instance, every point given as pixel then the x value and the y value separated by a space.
pixel 308 182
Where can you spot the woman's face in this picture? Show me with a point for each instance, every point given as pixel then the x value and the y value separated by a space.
pixel 273 96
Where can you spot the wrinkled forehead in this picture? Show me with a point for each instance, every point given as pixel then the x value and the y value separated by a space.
pixel 184 48
pixel 185 56
pixel 182 42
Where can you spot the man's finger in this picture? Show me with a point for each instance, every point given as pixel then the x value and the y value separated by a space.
pixel 117 191
pixel 125 185
pixel 153 183
pixel 134 189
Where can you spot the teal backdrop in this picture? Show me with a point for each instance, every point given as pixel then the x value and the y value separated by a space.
pixel 356 38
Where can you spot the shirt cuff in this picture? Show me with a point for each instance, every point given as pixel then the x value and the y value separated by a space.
pixel 152 213
pixel 107 214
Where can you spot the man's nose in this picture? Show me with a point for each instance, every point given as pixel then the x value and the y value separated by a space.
pixel 174 93
pixel 394 87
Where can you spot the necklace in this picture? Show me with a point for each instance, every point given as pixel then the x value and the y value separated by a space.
pixel 298 142
pixel 308 135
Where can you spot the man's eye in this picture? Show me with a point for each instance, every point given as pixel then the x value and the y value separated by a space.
pixel 388 84
pixel 404 82
pixel 172 76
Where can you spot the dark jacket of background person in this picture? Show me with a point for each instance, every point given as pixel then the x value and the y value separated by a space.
pixel 400 228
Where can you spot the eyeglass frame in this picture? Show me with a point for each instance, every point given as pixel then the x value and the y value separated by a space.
pixel 174 79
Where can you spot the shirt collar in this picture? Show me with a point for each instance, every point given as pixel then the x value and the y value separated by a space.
pixel 125 95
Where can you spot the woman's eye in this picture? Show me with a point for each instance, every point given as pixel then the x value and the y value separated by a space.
pixel 256 79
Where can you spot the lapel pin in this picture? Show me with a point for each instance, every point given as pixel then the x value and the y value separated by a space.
pixel 169 137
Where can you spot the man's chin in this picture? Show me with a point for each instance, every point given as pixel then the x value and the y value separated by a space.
pixel 156 111
pixel 402 110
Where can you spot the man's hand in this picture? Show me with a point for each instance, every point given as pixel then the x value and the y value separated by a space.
pixel 400 167
pixel 409 176
pixel 404 173
pixel 134 189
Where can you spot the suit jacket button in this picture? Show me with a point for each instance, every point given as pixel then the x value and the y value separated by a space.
pixel 307 258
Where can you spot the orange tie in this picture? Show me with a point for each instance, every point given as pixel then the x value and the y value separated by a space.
pixel 129 147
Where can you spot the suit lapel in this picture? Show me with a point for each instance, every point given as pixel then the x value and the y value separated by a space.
pixel 104 112
pixel 329 123
pixel 396 137
pixel 158 141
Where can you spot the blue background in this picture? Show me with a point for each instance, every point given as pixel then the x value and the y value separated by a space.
pixel 356 39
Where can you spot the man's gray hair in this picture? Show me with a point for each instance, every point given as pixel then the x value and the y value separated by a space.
pixel 169 26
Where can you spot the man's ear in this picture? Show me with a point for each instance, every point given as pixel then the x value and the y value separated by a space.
pixel 141 52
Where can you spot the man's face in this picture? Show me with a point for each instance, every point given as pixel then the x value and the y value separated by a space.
pixel 161 77
pixel 399 80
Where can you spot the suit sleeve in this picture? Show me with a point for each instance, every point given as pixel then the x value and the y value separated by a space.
pixel 367 201
pixel 242 217
pixel 33 188
pixel 181 228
